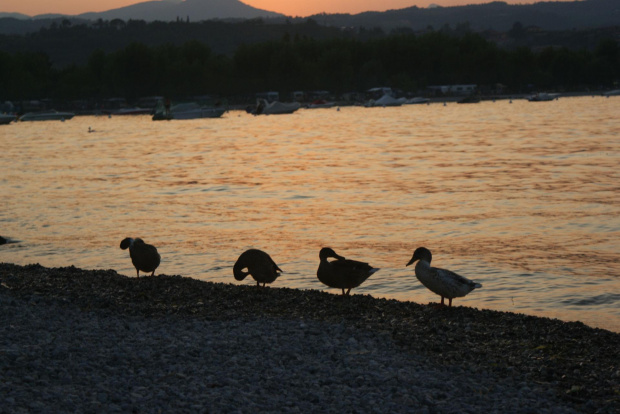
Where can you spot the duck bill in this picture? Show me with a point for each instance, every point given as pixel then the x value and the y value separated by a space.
pixel 413 259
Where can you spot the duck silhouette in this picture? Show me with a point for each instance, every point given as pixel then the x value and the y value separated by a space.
pixel 259 265
pixel 445 283
pixel 143 256
pixel 342 273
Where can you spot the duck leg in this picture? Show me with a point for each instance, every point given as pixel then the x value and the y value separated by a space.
pixel 137 273
pixel 153 273
pixel 349 292
pixel 442 304
pixel 343 292
pixel 450 303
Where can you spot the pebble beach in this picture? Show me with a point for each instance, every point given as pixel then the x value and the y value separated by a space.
pixel 74 340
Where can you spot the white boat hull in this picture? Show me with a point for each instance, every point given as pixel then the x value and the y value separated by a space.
pixel 47 116
pixel 276 108
pixel 199 113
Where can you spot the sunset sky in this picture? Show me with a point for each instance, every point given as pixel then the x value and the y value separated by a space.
pixel 288 7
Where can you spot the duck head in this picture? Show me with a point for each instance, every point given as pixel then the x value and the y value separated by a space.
pixel 239 273
pixel 421 253
pixel 329 252
pixel 127 243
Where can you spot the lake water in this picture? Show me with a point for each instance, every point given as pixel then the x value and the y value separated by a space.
pixel 522 197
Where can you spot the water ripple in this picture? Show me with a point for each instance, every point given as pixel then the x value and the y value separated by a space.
pixel 522 198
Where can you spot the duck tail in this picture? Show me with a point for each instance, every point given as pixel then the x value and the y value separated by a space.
pixel 477 285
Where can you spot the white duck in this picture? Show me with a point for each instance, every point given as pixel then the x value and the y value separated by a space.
pixel 443 282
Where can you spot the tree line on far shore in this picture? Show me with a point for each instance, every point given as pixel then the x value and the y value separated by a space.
pixel 403 61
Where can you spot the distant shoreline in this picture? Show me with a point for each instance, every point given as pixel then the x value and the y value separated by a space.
pixel 343 103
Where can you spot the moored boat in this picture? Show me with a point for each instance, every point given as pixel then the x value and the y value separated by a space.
pixel 133 111
pixel 190 110
pixel 385 100
pixel 469 99
pixel 543 97
pixel 418 100
pixel 274 108
pixel 6 119
pixel 320 103
pixel 51 115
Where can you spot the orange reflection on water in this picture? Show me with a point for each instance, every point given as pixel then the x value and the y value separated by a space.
pixel 521 197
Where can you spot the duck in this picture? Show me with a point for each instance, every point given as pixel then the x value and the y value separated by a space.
pixel 445 283
pixel 342 273
pixel 259 265
pixel 143 256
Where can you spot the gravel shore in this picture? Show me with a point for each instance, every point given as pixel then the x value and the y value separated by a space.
pixel 75 340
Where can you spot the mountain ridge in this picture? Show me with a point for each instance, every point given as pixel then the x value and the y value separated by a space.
pixel 496 15
pixel 167 10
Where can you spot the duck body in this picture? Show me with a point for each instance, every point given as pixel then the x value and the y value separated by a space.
pixel 444 283
pixel 143 256
pixel 259 265
pixel 342 273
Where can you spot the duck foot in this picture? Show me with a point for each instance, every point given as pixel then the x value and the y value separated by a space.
pixel 440 305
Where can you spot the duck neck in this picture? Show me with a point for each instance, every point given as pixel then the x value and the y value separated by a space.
pixel 422 266
pixel 239 273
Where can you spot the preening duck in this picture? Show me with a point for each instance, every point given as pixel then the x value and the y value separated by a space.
pixel 342 273
pixel 443 282
pixel 259 265
pixel 143 256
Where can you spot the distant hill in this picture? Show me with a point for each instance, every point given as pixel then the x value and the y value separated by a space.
pixel 13 16
pixel 166 10
pixel 195 10
pixel 490 16
pixel 23 25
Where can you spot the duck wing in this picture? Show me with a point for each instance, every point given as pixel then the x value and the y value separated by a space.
pixel 145 257
pixel 454 285
pixel 353 271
